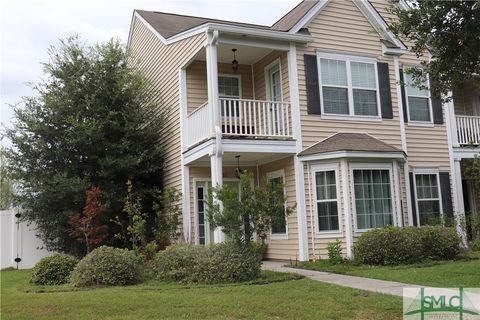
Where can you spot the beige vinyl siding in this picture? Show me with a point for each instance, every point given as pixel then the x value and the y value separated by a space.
pixel 160 63
pixel 342 28
pixel 197 92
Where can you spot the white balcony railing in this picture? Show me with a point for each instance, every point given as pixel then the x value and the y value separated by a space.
pixel 468 130
pixel 198 125
pixel 241 118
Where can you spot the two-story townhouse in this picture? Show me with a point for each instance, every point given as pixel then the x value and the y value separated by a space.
pixel 314 101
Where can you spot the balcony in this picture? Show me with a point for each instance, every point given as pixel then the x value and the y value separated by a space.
pixel 468 130
pixel 240 119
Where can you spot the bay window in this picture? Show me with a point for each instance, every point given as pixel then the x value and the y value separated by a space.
pixel 326 200
pixel 373 198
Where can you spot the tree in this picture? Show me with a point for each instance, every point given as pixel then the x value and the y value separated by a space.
pixel 449 31
pixel 252 213
pixel 6 185
pixel 87 227
pixel 92 122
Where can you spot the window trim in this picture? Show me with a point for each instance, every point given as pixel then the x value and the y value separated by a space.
pixel 351 107
pixel 268 84
pixel 422 171
pixel 371 166
pixel 322 168
pixel 272 175
pixel 429 99
pixel 228 75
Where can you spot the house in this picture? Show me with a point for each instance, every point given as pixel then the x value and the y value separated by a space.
pixel 313 101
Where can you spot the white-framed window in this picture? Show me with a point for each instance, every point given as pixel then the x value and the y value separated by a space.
pixel 419 105
pixel 428 199
pixel 280 229
pixel 373 195
pixel 229 86
pixel 325 187
pixel 348 85
pixel 273 80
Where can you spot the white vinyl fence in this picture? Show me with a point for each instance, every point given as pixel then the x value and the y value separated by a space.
pixel 19 240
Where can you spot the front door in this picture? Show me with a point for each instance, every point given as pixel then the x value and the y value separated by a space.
pixel 274 88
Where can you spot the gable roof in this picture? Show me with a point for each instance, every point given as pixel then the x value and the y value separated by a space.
pixel 168 25
pixel 349 142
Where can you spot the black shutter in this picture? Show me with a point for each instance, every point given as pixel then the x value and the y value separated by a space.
pixel 412 198
pixel 446 192
pixel 312 85
pixel 404 97
pixel 436 106
pixel 385 92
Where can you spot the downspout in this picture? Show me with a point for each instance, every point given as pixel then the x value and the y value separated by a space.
pixel 311 210
pixel 403 137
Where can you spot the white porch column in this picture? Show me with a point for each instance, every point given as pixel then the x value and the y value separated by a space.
pixel 397 189
pixel 186 203
pixel 459 206
pixel 217 181
pixel 298 166
pixel 346 207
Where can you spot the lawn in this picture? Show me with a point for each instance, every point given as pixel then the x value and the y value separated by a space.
pixel 277 296
pixel 460 273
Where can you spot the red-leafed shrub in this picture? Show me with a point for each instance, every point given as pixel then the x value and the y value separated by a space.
pixel 87 227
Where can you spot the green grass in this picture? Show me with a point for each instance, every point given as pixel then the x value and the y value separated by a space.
pixel 274 296
pixel 459 273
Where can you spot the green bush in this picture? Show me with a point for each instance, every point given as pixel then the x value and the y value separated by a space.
pixel 52 270
pixel 389 246
pixel 335 251
pixel 395 245
pixel 107 266
pixel 476 245
pixel 440 243
pixel 219 263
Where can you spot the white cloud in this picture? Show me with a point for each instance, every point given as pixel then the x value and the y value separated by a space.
pixel 29 27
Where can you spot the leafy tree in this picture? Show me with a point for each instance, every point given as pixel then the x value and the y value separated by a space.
pixel 252 213
pixel 92 122
pixel 6 185
pixel 87 227
pixel 449 31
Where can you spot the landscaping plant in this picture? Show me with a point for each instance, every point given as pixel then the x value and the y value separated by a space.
pixel 53 270
pixel 87 227
pixel 107 266
pixel 218 263
pixel 252 214
pixel 92 121
pixel 335 251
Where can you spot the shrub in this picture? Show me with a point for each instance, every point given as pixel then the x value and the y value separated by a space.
pixel 219 263
pixel 52 270
pixel 476 245
pixel 335 251
pixel 440 243
pixel 389 246
pixel 107 266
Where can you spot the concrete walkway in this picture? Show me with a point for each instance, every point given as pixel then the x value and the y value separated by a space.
pixel 374 285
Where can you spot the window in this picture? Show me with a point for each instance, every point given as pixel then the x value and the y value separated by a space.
pixel 373 198
pixel 279 228
pixel 229 86
pixel 201 214
pixel 326 201
pixel 349 86
pixel 428 197
pixel 418 101
pixel 274 83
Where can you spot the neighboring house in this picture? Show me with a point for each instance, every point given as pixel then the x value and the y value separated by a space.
pixel 313 101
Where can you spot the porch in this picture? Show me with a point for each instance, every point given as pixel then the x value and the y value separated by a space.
pixel 466 118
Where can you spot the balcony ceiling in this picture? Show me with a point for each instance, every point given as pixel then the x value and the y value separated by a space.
pixel 245 54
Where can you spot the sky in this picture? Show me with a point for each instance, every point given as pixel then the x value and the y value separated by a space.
pixel 29 27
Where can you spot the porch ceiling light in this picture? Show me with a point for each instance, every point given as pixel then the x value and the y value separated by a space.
pixel 234 62
pixel 238 171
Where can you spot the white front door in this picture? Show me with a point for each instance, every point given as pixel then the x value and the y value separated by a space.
pixel 274 87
